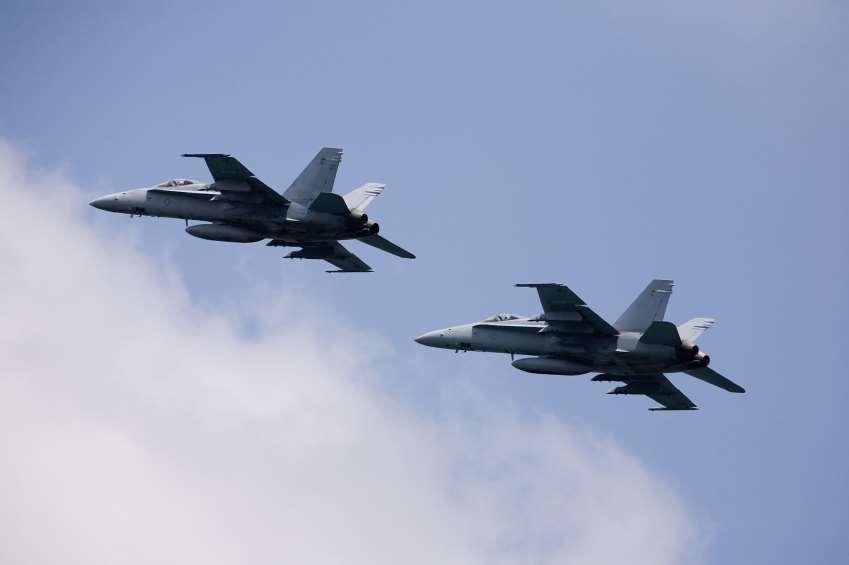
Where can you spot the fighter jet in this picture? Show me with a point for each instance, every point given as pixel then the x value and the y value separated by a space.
pixel 241 208
pixel 568 338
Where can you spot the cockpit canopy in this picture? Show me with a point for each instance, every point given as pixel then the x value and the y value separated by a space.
pixel 500 318
pixel 175 183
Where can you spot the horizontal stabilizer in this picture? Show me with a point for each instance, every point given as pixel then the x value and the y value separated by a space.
pixel 692 330
pixel 708 375
pixel 385 245
pixel 662 333
pixel 359 198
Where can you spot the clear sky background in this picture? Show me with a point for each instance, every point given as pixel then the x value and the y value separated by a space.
pixel 597 145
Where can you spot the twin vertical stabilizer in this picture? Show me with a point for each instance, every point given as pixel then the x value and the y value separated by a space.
pixel 650 306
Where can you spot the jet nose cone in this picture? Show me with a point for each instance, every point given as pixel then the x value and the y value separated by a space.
pixel 431 339
pixel 102 203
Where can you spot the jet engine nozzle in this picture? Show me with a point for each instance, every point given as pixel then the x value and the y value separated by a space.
pixel 701 359
pixel 688 351
pixel 370 228
pixel 690 347
pixel 358 219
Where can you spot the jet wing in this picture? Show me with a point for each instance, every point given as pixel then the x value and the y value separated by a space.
pixel 237 182
pixel 565 312
pixel 332 252
pixel 656 386
pixel 669 395
pixel 345 261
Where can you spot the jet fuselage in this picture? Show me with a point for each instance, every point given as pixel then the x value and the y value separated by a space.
pixel 569 338
pixel 291 222
pixel 238 207
pixel 564 353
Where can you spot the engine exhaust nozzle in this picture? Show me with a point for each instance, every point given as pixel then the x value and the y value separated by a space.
pixel 358 219
pixel 700 360
pixel 687 345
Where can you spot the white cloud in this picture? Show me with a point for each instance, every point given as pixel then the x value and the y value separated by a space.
pixel 136 427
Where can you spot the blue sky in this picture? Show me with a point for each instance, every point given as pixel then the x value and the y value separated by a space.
pixel 600 146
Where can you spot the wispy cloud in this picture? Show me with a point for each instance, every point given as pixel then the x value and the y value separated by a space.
pixel 136 427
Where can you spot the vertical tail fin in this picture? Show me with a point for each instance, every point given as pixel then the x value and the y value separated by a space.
pixel 649 306
pixel 317 177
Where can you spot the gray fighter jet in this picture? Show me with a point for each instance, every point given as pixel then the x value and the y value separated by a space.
pixel 568 338
pixel 241 208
